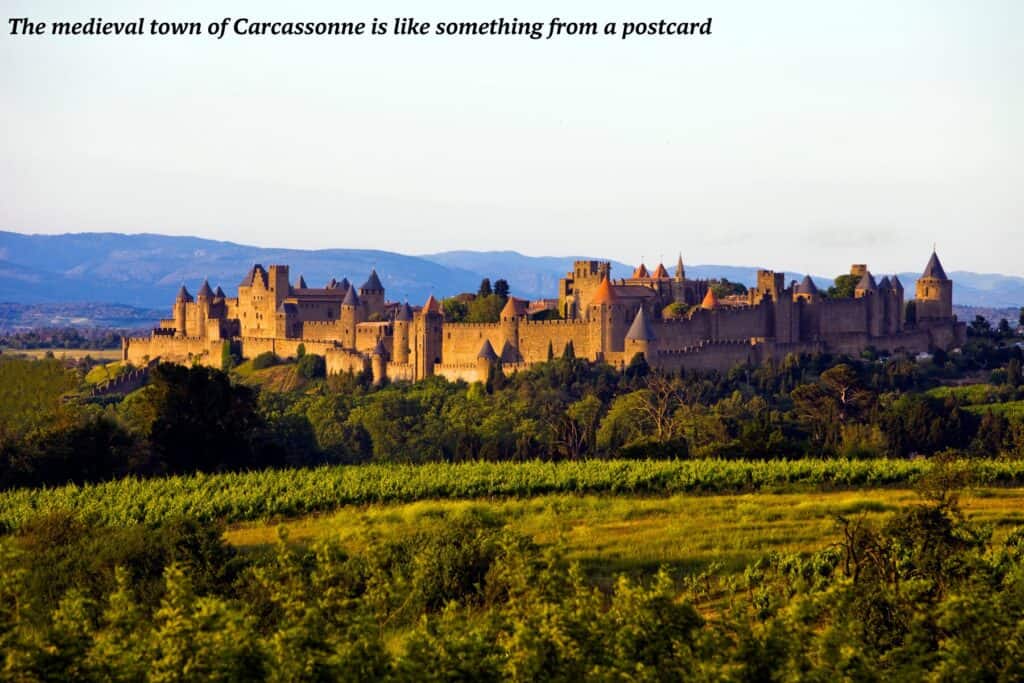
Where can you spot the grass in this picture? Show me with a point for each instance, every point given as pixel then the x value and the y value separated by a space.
pixel 611 534
pixel 74 354
pixel 1009 409
pixel 283 494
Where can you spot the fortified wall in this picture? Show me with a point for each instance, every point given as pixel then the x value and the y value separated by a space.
pixel 673 322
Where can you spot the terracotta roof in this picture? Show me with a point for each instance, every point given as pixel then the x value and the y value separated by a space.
pixel 183 295
pixel 379 349
pixel 868 282
pixel 604 294
pixel 205 290
pixel 219 293
pixel 884 285
pixel 896 282
pixel 934 268
pixel 487 351
pixel 640 330
pixel 404 313
pixel 807 286
pixel 514 308
pixel 432 305
pixel 640 272
pixel 331 284
pixel 350 298
pixel 660 272
pixel 372 283
pixel 710 300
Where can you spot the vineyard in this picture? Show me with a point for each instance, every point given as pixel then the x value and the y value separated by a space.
pixel 269 494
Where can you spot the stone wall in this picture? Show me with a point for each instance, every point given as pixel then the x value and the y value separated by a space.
pixel 461 342
pixel 535 335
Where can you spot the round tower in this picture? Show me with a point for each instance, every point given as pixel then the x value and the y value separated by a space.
pixel 181 303
pixel 401 344
pixel 607 317
pixel 204 297
pixel 511 314
pixel 934 292
pixel 348 318
pixel 485 360
pixel 640 338
pixel 378 363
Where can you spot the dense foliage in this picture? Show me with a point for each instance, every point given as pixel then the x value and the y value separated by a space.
pixel 926 595
pixel 199 419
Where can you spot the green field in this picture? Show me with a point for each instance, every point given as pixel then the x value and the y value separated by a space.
pixel 70 354
pixel 279 494
pixel 627 533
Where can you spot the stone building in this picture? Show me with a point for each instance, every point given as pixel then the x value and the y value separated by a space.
pixel 605 319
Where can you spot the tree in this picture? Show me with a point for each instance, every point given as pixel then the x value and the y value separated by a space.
pixel 676 310
pixel 578 426
pixel 311 366
pixel 501 288
pixel 1013 373
pixel 844 288
pixel 723 288
pixel 485 287
pixel 1021 318
pixel 227 360
pixel 569 352
pixel 551 351
pixel 980 327
pixel 1004 328
pixel 455 311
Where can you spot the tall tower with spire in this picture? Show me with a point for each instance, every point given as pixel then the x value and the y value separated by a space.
pixel 934 293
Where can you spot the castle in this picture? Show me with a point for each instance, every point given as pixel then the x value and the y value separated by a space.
pixel 609 320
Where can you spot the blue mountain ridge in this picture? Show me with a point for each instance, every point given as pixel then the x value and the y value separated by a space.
pixel 145 270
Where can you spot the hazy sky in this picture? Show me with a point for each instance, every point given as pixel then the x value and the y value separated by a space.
pixel 800 135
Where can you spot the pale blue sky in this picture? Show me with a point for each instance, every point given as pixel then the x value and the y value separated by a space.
pixel 801 135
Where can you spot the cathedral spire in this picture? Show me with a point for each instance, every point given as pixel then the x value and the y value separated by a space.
pixel 680 271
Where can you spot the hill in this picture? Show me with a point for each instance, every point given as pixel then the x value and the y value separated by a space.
pixel 145 270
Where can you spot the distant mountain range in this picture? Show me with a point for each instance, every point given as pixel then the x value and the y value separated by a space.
pixel 145 270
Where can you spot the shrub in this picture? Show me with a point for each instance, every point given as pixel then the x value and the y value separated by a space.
pixel 265 360
pixel 311 366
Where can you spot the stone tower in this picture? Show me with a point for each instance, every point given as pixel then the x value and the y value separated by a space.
pixel 280 288
pixel 485 360
pixel 511 314
pixel 607 316
pixel 181 303
pixel 204 298
pixel 349 317
pixel 934 293
pixel 372 295
pixel 427 347
pixel 403 320
pixel 640 338
pixel 379 363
